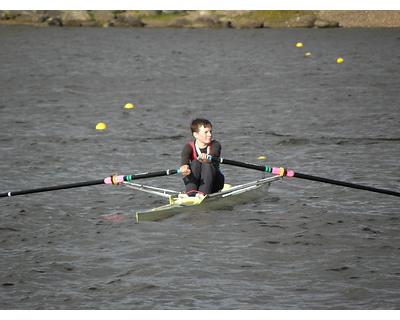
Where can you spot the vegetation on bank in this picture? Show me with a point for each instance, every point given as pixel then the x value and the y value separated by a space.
pixel 205 18
pixel 269 17
pixel 163 18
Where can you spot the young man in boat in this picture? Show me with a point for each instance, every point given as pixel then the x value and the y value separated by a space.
pixel 201 175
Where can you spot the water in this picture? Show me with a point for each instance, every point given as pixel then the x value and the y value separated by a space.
pixel 306 245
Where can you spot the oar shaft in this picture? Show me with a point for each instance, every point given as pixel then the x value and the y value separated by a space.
pixel 109 180
pixel 345 184
pixel 65 186
pixel 290 173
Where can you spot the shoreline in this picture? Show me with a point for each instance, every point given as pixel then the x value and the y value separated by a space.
pixel 204 18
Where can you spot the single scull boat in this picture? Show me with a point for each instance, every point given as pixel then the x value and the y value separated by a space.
pixel 180 202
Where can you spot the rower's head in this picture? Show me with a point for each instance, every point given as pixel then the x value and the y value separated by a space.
pixel 198 123
pixel 202 131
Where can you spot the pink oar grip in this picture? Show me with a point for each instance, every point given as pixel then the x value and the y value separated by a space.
pixel 289 173
pixel 278 171
pixel 117 179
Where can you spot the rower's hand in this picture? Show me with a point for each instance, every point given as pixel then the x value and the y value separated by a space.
pixel 204 158
pixel 185 170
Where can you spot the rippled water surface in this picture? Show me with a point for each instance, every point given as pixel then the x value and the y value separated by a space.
pixel 305 245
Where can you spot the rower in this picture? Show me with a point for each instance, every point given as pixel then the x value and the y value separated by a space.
pixel 201 174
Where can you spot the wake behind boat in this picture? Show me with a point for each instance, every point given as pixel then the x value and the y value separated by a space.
pixel 180 202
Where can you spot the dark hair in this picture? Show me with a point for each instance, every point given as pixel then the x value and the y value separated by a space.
pixel 197 123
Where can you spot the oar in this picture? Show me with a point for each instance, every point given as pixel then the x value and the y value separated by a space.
pixel 116 179
pixel 289 173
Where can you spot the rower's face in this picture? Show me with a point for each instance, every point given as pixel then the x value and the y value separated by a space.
pixel 204 135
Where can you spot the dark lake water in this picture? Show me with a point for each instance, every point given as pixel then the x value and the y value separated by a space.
pixel 305 245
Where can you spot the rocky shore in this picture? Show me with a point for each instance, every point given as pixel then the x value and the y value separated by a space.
pixel 205 18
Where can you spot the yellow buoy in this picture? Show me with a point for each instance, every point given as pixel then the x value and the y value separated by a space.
pixel 261 158
pixel 340 60
pixel 129 106
pixel 299 45
pixel 308 54
pixel 101 126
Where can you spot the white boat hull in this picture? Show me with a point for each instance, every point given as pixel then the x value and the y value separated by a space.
pixel 230 197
